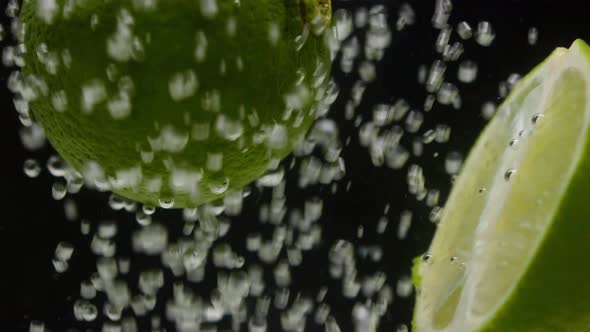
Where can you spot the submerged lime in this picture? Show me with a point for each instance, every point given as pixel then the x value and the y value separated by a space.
pixel 178 100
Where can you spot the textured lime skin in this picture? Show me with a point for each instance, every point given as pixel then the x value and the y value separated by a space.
pixel 553 293
pixel 168 34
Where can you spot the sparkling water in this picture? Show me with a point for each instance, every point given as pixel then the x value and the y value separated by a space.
pixel 239 261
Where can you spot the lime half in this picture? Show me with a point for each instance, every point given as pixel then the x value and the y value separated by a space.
pixel 511 251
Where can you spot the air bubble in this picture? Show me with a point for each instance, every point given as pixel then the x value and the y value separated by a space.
pixel 343 23
pixel 402 328
pixel 453 162
pixel 432 197
pixel 428 136
pixel 107 229
pixel 208 8
pixel 183 85
pixel 509 174
pixel 32 137
pixel 464 30
pixel 31 168
pixel 443 133
pixel 429 102
pixel 60 266
pixel 301 39
pixel 85 311
pixel 435 76
pixel 533 35
pixel 59 190
pixel 442 12
pixel 453 51
pixel 488 109
pixel 512 80
pixel 537 118
pixel 405 222
pixel 485 34
pixel 87 290
pixel 75 182
pixel 64 251
pixel 467 71
pixel 56 166
pixel 166 203
pixel 148 209
pixel 404 287
pixel 220 187
pixel 36 326
pixel 406 16
pixel 447 94
pixel 414 121
pixel 435 214
pixel 443 39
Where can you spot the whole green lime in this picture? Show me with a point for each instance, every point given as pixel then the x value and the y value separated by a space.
pixel 176 100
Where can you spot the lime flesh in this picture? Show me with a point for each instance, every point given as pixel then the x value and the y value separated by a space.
pixel 509 252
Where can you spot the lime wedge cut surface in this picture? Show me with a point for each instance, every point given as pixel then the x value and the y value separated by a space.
pixel 511 250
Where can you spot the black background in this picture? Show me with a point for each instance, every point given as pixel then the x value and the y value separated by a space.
pixel 32 223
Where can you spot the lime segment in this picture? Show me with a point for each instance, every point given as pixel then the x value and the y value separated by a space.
pixel 507 207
